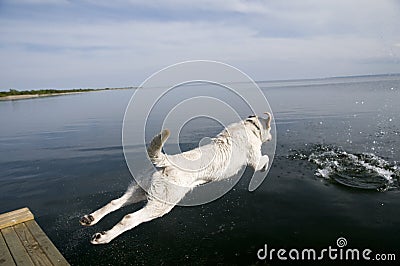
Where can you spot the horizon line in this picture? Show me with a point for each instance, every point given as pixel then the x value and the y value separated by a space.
pixel 256 81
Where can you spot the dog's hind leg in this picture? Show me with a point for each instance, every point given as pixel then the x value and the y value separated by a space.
pixel 163 196
pixel 133 194
pixel 152 210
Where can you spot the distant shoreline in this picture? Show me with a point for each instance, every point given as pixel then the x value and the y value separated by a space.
pixel 13 95
pixel 30 96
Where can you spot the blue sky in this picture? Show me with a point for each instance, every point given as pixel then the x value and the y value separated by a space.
pixel 88 43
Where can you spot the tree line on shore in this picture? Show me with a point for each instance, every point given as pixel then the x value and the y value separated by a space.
pixel 13 92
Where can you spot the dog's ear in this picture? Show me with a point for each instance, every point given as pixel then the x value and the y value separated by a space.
pixel 268 119
pixel 265 122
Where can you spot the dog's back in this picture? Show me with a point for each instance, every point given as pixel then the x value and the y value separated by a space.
pixel 222 158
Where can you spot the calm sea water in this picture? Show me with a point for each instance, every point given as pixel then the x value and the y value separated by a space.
pixel 335 174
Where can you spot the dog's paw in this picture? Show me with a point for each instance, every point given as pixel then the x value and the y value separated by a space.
pixel 87 220
pixel 264 168
pixel 100 238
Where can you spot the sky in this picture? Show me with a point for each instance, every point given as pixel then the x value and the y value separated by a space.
pixel 102 43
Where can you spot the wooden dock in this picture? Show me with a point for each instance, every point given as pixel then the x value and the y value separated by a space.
pixel 23 242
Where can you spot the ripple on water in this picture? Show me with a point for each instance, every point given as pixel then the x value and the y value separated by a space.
pixel 358 170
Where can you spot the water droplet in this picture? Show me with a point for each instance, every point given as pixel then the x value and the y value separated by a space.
pixel 320 122
pixel 390 119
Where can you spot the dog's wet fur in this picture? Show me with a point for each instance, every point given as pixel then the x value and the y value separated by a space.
pixel 236 146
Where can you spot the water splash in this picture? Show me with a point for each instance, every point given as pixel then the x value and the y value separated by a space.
pixel 358 170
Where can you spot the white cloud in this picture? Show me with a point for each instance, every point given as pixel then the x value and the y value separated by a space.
pixel 241 6
pixel 40 2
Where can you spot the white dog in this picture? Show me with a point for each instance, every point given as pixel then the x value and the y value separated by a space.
pixel 236 146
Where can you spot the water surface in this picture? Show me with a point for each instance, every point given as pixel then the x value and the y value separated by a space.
pixel 62 157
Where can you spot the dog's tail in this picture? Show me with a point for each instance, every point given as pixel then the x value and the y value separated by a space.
pixel 154 150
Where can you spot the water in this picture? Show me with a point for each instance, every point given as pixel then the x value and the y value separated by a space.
pixel 335 174
pixel 360 171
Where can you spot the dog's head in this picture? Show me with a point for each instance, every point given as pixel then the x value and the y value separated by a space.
pixel 261 126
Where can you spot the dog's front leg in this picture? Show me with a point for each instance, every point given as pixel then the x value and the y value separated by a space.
pixel 262 163
pixel 152 210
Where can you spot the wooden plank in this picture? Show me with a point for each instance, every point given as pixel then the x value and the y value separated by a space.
pixel 31 245
pixel 17 250
pixel 15 217
pixel 45 243
pixel 5 255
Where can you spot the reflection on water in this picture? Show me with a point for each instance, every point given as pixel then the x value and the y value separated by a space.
pixel 62 157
